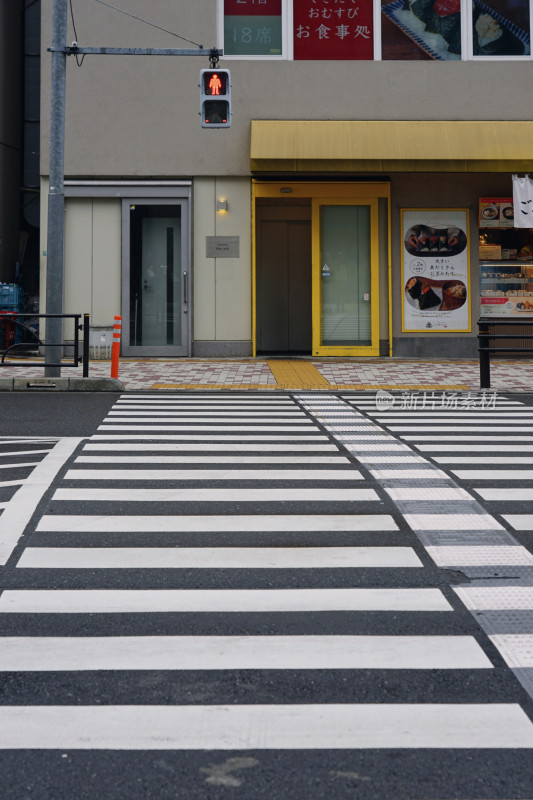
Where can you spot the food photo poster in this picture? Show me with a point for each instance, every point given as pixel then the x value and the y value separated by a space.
pixel 435 270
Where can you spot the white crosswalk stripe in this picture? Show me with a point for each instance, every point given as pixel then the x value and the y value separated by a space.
pixel 242 436
pixel 509 460
pixel 244 427
pixel 216 495
pixel 509 494
pixel 218 558
pixel 519 522
pixel 244 445
pixel 266 727
pixel 240 652
pixel 123 523
pixel 206 416
pixel 102 601
pixel 209 458
pixel 215 475
pixel 490 475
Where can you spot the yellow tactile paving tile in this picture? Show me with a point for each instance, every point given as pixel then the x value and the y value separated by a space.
pixel 298 374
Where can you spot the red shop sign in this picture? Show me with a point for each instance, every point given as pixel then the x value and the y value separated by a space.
pixel 333 30
pixel 249 8
pixel 493 301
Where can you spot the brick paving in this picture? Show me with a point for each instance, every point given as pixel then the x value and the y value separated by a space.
pixel 371 374
pixel 407 373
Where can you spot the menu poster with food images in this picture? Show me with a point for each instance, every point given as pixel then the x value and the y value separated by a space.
pixel 496 212
pixel 331 30
pixel 435 270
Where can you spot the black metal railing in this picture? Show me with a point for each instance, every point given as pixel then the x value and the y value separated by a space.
pixel 13 324
pixel 485 337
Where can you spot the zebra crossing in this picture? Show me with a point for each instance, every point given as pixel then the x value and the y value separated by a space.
pixel 274 561
pixel 30 464
pixel 18 457
pixel 502 549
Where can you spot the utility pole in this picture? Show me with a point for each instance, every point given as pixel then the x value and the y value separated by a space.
pixel 56 190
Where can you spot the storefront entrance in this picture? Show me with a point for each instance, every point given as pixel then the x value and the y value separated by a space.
pixel 155 288
pixel 316 269
pixel 284 279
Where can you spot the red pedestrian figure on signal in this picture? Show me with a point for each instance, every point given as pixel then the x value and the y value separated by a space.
pixel 215 84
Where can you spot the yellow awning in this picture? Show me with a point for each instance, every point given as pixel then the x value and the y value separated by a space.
pixel 391 146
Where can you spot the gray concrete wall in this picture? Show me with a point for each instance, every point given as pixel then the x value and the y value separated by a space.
pixel 93 234
pixel 138 116
pixel 222 287
pixel 93 229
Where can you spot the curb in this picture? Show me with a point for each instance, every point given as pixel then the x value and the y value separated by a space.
pixel 61 385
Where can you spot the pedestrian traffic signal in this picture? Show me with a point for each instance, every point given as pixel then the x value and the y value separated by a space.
pixel 215 98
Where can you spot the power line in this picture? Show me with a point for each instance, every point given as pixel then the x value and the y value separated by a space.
pixel 78 62
pixel 140 19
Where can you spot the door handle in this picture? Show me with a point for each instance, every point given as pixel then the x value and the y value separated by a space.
pixel 185 291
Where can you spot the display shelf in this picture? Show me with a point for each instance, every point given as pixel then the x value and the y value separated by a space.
pixel 506 263
pixel 506 279
pixel 508 272
pixel 505 284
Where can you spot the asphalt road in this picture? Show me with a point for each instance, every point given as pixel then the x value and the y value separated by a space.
pixel 54 414
pixel 247 596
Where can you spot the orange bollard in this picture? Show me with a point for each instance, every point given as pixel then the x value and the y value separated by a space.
pixel 115 349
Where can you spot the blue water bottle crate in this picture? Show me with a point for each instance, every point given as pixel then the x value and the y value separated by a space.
pixel 11 297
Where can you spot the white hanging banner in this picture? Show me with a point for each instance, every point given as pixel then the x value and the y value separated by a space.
pixel 523 202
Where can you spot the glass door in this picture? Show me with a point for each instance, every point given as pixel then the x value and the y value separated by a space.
pixel 155 278
pixel 345 277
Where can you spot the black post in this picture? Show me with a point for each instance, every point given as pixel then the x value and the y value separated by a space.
pixel 484 355
pixel 77 329
pixel 86 318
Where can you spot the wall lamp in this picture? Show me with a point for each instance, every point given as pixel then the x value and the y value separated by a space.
pixel 222 206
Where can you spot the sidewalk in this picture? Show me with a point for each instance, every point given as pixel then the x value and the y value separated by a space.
pixel 302 374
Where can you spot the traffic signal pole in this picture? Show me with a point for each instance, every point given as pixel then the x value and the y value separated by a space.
pixel 56 190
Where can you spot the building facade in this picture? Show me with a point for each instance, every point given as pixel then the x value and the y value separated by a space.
pixel 10 139
pixel 19 145
pixel 359 204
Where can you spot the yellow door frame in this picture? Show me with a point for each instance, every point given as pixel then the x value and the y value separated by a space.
pixel 360 193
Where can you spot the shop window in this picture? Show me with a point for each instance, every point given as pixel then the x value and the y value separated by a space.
pixel 390 30
pixel 500 28
pixel 505 261
pixel 253 28
pixel 333 31
pixel 417 30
